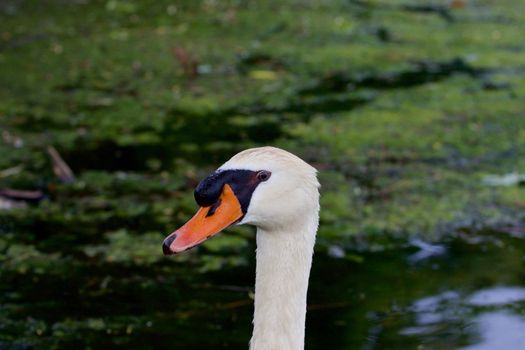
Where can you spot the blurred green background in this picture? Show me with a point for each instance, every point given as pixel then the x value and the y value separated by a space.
pixel 411 110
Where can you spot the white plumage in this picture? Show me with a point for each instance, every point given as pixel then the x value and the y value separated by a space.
pixel 285 210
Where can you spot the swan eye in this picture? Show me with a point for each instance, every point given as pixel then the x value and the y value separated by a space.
pixel 263 175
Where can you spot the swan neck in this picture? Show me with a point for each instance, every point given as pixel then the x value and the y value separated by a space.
pixel 284 258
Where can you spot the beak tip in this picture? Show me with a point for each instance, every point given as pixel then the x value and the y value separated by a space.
pixel 166 250
pixel 167 244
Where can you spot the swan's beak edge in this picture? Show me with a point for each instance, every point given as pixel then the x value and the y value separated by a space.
pixel 207 222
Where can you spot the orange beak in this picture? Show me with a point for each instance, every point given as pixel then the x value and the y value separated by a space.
pixel 207 222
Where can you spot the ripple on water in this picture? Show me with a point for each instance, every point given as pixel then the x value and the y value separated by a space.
pixel 496 296
pixel 499 330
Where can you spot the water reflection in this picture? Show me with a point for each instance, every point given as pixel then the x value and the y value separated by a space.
pixel 458 294
pixel 449 313
pixel 499 330
pixel 497 296
pixel 431 313
pixel 426 251
pixel 503 329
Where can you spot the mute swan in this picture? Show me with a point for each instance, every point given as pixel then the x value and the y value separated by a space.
pixel 278 193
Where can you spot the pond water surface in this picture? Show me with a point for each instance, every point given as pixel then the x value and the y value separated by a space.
pixel 468 293
pixel 465 293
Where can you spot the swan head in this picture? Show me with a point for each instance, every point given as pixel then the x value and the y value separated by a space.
pixel 266 187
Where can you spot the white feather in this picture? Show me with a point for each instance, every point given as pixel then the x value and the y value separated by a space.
pixel 285 210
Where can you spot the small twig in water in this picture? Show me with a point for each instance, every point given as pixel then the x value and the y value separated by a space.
pixel 60 167
pixel 11 171
pixel 21 194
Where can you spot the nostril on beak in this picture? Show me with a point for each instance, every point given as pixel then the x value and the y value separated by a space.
pixel 166 245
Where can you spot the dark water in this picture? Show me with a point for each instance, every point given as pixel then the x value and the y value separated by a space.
pixel 466 293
